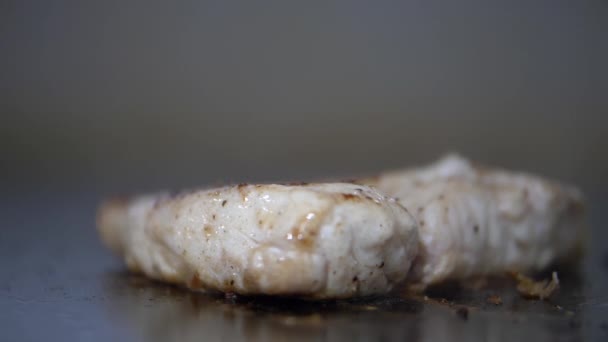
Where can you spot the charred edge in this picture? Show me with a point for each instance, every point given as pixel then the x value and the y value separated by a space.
pixel 350 196
pixel 195 282
pixel 241 188
pixel 296 183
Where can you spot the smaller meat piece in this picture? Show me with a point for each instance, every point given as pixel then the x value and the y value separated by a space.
pixel 477 221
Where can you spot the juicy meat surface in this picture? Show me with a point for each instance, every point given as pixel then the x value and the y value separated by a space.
pixel 332 240
pixel 475 221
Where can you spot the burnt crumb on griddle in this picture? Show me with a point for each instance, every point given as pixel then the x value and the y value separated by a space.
pixel 298 183
pixel 463 313
pixel 443 301
pixel 494 299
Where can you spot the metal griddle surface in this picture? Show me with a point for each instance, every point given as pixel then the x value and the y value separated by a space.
pixel 58 283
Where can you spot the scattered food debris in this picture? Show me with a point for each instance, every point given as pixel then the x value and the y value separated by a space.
pixel 494 299
pixel 369 308
pixel 463 313
pixel 532 289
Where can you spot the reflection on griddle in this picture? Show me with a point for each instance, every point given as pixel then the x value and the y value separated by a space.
pixel 157 312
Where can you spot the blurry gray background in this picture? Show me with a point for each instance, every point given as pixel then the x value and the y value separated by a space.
pixel 109 96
